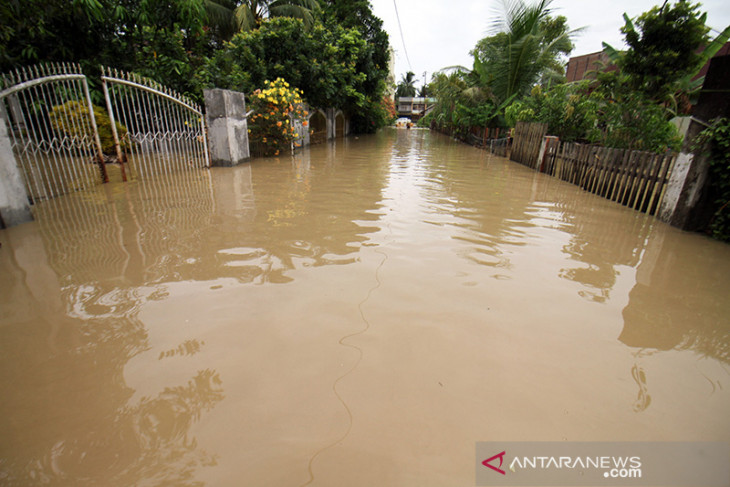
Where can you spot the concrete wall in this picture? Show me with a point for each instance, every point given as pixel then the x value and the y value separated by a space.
pixel 14 204
pixel 225 112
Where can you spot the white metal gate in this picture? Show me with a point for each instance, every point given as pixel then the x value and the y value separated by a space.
pixel 161 131
pixel 62 143
pixel 52 129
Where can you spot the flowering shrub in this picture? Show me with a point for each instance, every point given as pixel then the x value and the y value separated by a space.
pixel 270 129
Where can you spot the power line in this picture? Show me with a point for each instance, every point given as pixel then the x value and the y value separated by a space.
pixel 401 36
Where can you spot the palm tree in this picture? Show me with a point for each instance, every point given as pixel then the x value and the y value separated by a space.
pixel 231 16
pixel 407 86
pixel 527 46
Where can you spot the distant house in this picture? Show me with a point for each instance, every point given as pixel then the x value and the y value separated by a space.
pixel 579 67
pixel 414 107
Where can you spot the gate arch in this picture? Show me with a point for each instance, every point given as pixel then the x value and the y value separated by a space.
pixel 318 125
pixel 339 125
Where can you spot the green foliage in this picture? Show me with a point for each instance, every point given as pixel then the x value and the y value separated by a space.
pixel 319 61
pixel 163 56
pixel 716 140
pixel 337 52
pixel 663 47
pixel 406 86
pixel 228 17
pixel 372 61
pixel 72 117
pixel 461 105
pixel 570 110
pixel 668 46
pixel 610 114
pixel 528 48
pixel 270 130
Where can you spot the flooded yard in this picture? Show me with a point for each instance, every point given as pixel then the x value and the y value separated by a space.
pixel 359 314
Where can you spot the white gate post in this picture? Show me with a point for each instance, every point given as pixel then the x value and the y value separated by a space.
pixel 14 204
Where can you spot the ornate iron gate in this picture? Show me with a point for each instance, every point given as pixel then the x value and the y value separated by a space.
pixel 52 129
pixel 157 131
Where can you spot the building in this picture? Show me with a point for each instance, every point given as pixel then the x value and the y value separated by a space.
pixel 580 66
pixel 414 107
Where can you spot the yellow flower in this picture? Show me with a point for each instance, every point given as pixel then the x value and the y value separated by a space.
pixel 296 135
pixel 263 140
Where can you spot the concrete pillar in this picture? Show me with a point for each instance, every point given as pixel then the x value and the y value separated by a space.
pixel 330 114
pixel 225 113
pixel 681 206
pixel 14 204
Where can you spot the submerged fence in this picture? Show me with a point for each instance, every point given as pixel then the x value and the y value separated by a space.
pixel 527 140
pixel 636 179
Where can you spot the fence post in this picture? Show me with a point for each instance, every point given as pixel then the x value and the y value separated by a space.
pixel 14 204
pixel 547 142
pixel 686 186
pixel 225 112
pixel 684 190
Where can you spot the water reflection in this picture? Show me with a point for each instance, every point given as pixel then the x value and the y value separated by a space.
pixel 152 330
pixel 75 282
pixel 674 304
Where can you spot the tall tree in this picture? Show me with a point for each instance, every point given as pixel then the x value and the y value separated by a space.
pixel 527 46
pixel 668 45
pixel 373 62
pixel 407 86
pixel 230 16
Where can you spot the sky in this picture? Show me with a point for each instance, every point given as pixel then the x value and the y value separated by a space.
pixel 440 33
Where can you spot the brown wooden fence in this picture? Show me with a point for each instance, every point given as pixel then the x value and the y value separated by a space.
pixel 633 178
pixel 526 143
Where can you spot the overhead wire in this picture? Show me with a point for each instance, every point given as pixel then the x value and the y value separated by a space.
pixel 401 36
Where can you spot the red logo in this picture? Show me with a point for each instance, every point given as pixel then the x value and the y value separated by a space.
pixel 496 469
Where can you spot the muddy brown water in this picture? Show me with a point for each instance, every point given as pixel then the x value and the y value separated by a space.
pixel 358 314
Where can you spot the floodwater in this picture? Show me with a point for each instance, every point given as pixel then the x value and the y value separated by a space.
pixel 358 314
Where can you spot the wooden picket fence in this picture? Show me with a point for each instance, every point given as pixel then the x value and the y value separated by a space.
pixel 527 141
pixel 635 179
